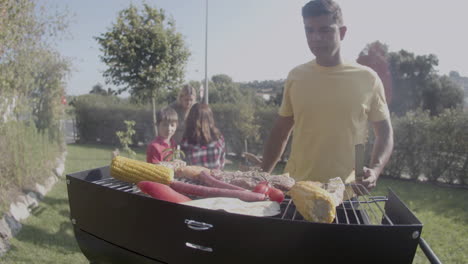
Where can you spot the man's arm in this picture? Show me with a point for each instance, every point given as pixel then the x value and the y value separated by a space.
pixel 276 142
pixel 381 152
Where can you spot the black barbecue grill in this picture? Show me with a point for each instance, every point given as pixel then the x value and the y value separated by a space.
pixel 115 223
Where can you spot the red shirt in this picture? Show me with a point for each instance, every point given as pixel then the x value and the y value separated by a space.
pixel 154 151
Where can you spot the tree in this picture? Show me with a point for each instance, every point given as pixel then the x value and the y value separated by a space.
pixel 32 73
pixel 99 89
pixel 47 91
pixel 460 80
pixel 454 74
pixel 442 93
pixel 417 84
pixel 221 79
pixel 273 87
pixel 224 90
pixel 26 32
pixel 375 56
pixel 144 53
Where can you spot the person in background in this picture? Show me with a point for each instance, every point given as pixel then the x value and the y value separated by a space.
pixel 166 122
pixel 202 143
pixel 327 104
pixel 185 99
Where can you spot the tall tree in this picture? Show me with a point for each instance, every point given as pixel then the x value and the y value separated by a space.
pixel 224 90
pixel 220 79
pixel 144 53
pixel 440 94
pixel 32 72
pixel 460 80
pixel 411 81
pixel 375 56
pixel 98 89
pixel 417 84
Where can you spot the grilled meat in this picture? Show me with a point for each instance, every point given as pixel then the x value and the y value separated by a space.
pixel 250 179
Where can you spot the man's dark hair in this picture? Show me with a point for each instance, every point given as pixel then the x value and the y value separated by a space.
pixel 323 7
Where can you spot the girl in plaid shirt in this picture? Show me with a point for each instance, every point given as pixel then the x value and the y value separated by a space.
pixel 202 142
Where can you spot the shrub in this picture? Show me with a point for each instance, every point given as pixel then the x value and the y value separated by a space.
pixel 27 156
pixel 448 147
pixel 436 147
pixel 236 122
pixel 125 138
pixel 98 118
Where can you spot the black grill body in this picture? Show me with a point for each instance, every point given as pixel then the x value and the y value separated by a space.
pixel 115 226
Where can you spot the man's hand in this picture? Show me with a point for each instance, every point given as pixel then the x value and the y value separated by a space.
pixel 381 152
pixel 369 180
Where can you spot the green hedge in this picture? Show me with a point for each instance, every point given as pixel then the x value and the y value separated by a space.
pixel 98 118
pixel 433 147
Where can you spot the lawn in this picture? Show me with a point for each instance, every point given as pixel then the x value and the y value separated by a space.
pixel 444 213
pixel 47 235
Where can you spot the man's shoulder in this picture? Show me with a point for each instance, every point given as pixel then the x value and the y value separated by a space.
pixel 360 69
pixel 300 70
pixel 308 66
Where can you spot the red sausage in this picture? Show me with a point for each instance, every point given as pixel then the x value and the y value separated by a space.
pixel 203 191
pixel 211 181
pixel 162 192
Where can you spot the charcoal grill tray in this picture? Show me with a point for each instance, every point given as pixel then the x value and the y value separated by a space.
pixel 116 225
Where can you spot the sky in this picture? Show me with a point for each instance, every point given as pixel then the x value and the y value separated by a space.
pixel 264 39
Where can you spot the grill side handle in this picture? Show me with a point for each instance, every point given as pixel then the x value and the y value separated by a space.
pixel 198 226
pixel 431 256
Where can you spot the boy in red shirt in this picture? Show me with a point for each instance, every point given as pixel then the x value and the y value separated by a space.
pixel 166 122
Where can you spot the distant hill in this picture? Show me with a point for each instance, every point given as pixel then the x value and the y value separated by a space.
pixel 267 86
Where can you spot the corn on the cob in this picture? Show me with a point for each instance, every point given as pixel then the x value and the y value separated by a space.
pixel 314 203
pixel 134 171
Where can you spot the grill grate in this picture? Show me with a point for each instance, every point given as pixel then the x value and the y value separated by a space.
pixel 361 210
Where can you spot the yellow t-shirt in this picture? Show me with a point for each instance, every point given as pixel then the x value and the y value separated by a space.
pixel 331 107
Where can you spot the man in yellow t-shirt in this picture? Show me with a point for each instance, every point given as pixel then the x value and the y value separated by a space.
pixel 328 103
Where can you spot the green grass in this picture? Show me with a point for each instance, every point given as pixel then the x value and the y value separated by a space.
pixel 443 212
pixel 47 236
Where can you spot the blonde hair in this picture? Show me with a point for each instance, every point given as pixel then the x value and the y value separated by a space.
pixel 186 90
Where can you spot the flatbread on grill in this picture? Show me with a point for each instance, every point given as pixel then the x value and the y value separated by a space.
pixel 236 206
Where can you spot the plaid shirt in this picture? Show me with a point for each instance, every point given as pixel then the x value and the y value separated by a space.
pixel 210 156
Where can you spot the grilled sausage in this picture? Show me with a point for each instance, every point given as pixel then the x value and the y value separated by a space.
pixel 211 181
pixel 203 191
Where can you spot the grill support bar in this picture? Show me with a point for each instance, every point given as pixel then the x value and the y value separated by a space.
pixel 431 256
